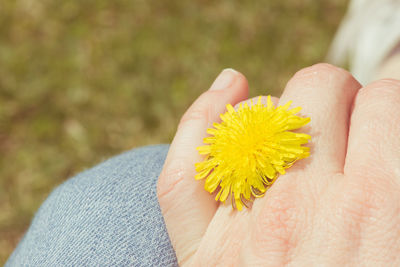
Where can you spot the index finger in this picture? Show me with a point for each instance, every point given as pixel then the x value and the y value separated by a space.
pixel 187 208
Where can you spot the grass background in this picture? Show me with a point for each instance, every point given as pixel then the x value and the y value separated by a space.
pixel 81 81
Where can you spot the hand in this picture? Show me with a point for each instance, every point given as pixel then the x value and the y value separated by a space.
pixel 340 206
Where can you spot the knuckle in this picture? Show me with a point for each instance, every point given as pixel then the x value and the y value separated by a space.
pixel 367 199
pixel 388 82
pixel 364 210
pixel 325 81
pixel 200 110
pixel 384 91
pixel 193 114
pixel 360 203
pixel 169 180
pixel 277 223
pixel 323 70
pixel 378 98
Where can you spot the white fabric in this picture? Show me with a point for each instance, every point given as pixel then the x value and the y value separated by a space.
pixel 369 31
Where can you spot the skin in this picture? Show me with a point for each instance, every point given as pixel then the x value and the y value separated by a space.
pixel 339 207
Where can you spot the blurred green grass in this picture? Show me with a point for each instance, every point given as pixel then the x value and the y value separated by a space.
pixel 81 81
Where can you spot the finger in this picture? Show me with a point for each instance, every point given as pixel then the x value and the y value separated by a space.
pixel 369 198
pixel 227 221
pixel 187 208
pixel 326 94
pixel 374 137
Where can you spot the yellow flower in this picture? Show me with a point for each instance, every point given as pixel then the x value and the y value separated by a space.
pixel 249 149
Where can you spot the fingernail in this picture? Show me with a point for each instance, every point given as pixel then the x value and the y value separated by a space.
pixel 224 79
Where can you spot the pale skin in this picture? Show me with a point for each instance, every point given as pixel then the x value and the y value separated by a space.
pixel 339 207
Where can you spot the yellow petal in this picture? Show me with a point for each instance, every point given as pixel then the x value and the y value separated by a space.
pixel 247 150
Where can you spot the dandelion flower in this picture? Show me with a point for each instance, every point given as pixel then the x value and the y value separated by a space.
pixel 247 151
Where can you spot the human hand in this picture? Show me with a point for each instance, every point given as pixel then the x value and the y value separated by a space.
pixel 340 206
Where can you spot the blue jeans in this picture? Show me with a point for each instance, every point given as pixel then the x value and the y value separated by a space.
pixel 106 216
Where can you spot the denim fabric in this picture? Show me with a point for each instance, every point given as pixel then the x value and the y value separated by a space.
pixel 106 216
